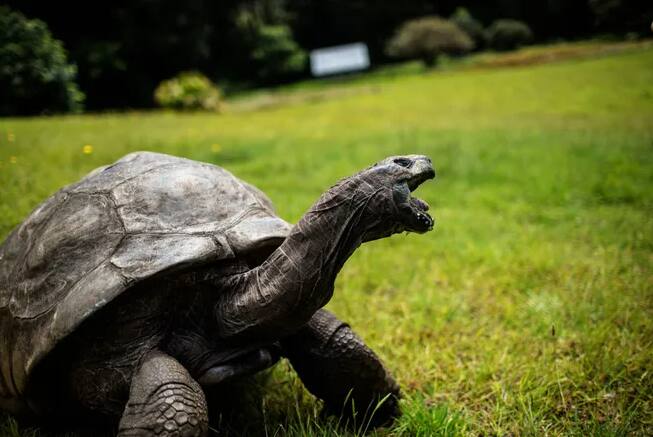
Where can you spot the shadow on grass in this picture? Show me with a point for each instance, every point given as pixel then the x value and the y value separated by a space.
pixel 243 409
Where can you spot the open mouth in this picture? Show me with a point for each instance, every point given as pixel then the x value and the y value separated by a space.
pixel 415 217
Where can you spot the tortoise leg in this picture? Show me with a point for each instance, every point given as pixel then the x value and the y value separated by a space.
pixel 335 365
pixel 164 400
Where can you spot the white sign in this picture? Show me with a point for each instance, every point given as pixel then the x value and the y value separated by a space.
pixel 339 59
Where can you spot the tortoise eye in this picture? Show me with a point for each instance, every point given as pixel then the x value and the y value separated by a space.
pixel 404 162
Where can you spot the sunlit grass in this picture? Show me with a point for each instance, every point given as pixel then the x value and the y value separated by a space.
pixel 528 311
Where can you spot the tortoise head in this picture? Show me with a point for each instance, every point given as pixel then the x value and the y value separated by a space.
pixel 274 297
pixel 384 192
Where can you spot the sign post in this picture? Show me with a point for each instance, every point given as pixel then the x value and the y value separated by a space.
pixel 339 59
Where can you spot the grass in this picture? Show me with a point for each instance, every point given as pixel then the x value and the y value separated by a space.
pixel 366 82
pixel 529 309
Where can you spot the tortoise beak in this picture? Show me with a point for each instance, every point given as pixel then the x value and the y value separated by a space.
pixel 422 170
pixel 415 217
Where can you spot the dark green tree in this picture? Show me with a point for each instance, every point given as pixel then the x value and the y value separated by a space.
pixel 508 34
pixel 472 27
pixel 622 15
pixel 274 53
pixel 35 76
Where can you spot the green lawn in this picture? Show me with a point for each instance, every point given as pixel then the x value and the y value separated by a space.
pixel 528 310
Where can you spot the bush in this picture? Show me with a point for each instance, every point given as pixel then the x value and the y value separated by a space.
pixel 427 38
pixel 470 25
pixel 188 90
pixel 508 34
pixel 276 53
pixel 35 76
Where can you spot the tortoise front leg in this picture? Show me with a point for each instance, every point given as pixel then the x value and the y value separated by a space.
pixel 335 365
pixel 164 400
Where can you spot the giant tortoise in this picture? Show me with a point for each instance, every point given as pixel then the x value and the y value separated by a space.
pixel 150 282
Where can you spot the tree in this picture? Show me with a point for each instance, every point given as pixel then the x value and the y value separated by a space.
pixel 472 27
pixel 276 53
pixel 427 38
pixel 35 76
pixel 622 15
pixel 273 51
pixel 508 34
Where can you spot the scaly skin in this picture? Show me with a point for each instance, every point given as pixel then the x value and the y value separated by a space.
pixel 335 365
pixel 164 400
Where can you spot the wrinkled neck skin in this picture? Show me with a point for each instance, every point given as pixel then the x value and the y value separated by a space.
pixel 279 296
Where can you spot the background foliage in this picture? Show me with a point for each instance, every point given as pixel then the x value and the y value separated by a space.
pixel 472 27
pixel 124 49
pixel 426 38
pixel 508 34
pixel 35 75
pixel 188 90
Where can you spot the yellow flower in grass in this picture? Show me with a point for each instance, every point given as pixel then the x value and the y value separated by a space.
pixel 87 149
pixel 13 159
pixel 11 137
pixel 215 148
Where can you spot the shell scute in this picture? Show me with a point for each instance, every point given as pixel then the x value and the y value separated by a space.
pixel 68 246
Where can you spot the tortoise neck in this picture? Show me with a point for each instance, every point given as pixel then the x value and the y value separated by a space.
pixel 297 279
pixel 321 242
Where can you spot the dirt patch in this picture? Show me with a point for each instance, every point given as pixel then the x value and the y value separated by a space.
pixel 271 100
pixel 556 53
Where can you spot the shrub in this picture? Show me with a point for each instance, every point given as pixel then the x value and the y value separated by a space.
pixel 427 38
pixel 508 34
pixel 276 53
pixel 35 76
pixel 188 90
pixel 470 25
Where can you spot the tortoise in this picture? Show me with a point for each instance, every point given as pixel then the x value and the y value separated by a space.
pixel 151 282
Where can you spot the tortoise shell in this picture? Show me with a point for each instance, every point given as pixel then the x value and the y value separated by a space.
pixel 145 215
